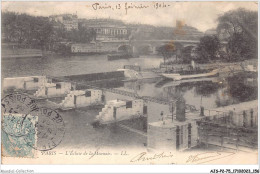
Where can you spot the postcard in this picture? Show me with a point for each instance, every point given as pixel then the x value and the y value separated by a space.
pixel 129 82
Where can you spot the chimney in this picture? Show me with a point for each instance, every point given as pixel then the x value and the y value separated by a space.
pixel 180 110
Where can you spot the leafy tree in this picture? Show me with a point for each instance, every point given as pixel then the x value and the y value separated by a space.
pixel 167 51
pixel 26 30
pixel 206 88
pixel 239 90
pixel 208 48
pixel 239 27
pixel 240 47
pixel 186 54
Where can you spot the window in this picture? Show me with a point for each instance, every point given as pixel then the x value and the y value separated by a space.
pixel 35 79
pixel 129 104
pixel 189 135
pixel 58 86
pixel 88 94
pixel 177 137
pixel 145 109
pixel 181 142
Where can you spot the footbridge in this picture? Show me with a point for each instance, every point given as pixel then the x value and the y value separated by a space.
pixel 149 45
pixel 125 93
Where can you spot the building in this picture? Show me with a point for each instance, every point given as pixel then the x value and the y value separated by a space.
pixel 93 47
pixel 53 90
pixel 117 110
pixel 106 29
pixel 82 98
pixel 25 83
pixel 221 35
pixel 68 21
pixel 211 32
pixel 176 133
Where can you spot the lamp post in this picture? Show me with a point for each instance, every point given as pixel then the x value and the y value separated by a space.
pixel 162 117
pixel 172 108
pixel 201 108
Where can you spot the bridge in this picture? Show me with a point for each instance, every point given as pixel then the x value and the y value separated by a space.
pixel 149 45
pixel 116 91
pixel 189 108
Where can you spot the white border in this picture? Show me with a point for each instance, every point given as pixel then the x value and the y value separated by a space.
pixel 129 168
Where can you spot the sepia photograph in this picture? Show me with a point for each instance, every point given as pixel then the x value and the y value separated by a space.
pixel 131 83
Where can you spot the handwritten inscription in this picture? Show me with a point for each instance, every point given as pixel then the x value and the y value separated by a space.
pixel 127 6
pixel 206 156
pixel 146 157
pixel 199 158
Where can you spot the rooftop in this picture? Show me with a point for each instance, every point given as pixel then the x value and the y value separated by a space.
pixel 168 123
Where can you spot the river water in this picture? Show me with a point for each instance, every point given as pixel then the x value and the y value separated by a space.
pixel 61 66
pixel 209 92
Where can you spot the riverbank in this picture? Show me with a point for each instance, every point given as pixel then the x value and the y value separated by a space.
pixel 21 53
pixel 247 65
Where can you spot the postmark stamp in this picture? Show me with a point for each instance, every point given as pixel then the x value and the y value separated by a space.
pixel 17 124
pixel 18 103
pixel 27 128
pixel 50 129
pixel 17 128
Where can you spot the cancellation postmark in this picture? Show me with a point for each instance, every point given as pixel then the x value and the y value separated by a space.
pixel 18 103
pixel 50 129
pixel 27 128
pixel 15 108
pixel 17 123
pixel 16 128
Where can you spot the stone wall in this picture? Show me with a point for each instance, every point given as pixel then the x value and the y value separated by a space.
pixel 26 83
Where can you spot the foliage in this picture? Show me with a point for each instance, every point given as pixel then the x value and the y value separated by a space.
pixel 39 32
pixel 82 35
pixel 25 29
pixel 206 88
pixel 208 48
pixel 186 54
pixel 239 90
pixel 167 50
pixel 239 27
pixel 241 47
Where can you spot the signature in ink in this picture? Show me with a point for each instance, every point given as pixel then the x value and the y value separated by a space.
pixel 146 157
pixel 208 156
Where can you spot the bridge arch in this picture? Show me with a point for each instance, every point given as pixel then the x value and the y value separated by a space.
pixel 124 48
pixel 145 49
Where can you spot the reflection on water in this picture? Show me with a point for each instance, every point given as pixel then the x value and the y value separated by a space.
pixel 211 93
pixel 208 92
pixel 62 66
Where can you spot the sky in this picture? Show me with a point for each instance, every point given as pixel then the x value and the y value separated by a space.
pixel 201 15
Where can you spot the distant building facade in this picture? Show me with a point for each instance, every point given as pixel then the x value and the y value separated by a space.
pixel 211 32
pixel 96 47
pixel 69 21
pixel 106 29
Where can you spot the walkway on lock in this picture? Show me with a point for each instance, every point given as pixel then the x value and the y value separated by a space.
pixel 133 130
pixel 122 92
pixel 223 133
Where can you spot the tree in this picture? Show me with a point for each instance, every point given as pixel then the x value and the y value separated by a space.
pixel 167 51
pixel 239 28
pixel 205 88
pixel 208 48
pixel 186 54
pixel 27 30
pixel 39 32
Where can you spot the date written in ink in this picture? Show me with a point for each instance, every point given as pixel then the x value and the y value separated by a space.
pixel 127 6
